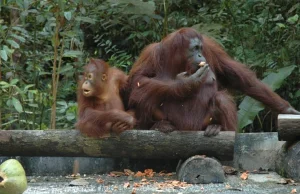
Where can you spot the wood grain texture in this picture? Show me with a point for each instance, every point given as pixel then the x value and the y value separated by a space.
pixel 288 127
pixel 130 144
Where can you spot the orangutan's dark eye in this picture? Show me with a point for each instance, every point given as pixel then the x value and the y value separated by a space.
pixel 90 76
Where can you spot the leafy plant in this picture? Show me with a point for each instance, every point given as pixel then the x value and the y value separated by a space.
pixel 52 52
pixel 44 44
pixel 249 108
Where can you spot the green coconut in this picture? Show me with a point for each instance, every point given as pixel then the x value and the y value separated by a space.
pixel 12 177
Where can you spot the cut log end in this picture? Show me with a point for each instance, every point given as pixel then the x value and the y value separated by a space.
pixel 288 127
pixel 201 170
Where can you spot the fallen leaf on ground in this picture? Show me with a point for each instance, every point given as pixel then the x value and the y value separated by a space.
pixel 245 175
pixel 165 173
pixel 227 186
pixel 78 182
pixel 137 185
pixel 294 191
pixel 175 182
pixel 139 174
pixel 286 181
pixel 128 172
pixel 230 170
pixel 172 184
pixel 126 185
pixel 116 173
pixel 100 181
pixel 149 172
pixel 73 176
pixel 290 181
pixel 260 171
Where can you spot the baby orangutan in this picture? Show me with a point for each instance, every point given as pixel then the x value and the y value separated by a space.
pixel 100 106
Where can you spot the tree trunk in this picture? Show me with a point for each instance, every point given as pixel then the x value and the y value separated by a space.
pixel 130 144
pixel 288 127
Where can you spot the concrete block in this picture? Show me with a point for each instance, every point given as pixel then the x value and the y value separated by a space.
pixel 256 150
pixel 64 165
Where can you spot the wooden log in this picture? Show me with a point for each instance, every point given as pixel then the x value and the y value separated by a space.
pixel 201 170
pixel 288 127
pixel 130 144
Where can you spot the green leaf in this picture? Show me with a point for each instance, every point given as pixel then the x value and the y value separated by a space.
pixel 4 85
pixel 26 4
pixel 274 80
pixel 20 3
pixel 82 10
pixel 27 87
pixel 3 55
pixel 9 122
pixel 62 103
pixel 16 103
pixel 61 4
pixel 24 13
pixel 297 94
pixel 136 7
pixel 14 82
pixel 85 19
pixel 33 105
pixel 70 116
pixel 17 28
pixel 211 29
pixel 72 53
pixel 8 50
pixel 70 34
pixel 13 43
pixel 20 38
pixel 249 108
pixel 68 15
pixel 280 25
pixel 40 19
pixel 293 19
pixel 66 68
pixel 19 91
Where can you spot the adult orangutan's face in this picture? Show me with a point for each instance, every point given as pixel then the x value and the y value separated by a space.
pixel 194 54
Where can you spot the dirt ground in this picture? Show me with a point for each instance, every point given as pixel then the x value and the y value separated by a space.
pixel 119 182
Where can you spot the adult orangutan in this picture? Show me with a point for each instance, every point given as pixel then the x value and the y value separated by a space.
pixel 166 100
pixel 100 106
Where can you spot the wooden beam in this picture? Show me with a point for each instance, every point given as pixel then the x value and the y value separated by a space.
pixel 288 127
pixel 130 144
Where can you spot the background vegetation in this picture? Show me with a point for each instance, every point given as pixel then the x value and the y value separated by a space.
pixel 45 43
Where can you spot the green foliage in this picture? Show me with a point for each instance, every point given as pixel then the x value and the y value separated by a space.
pixel 249 108
pixel 44 44
pixel 42 48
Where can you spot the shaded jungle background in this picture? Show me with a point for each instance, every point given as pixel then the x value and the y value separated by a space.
pixel 45 43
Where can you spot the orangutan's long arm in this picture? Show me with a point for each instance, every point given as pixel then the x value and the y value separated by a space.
pixel 233 74
pixel 153 90
pixel 96 116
